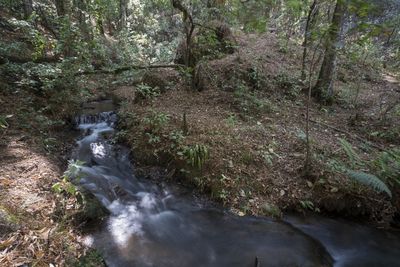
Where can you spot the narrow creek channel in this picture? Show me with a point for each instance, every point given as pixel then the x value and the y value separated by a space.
pixel 160 226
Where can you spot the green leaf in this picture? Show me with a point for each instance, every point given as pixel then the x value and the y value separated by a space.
pixel 57 187
pixel 353 156
pixel 369 180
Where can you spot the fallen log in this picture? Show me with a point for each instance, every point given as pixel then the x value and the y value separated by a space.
pixel 126 68
pixel 13 59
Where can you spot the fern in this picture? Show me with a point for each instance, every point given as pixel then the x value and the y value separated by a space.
pixel 369 180
pixel 351 154
pixel 195 155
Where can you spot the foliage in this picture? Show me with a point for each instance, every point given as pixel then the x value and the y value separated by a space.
pixel 308 205
pixel 195 155
pixel 72 173
pixel 369 180
pixel 268 154
pixel 289 84
pixel 147 92
pixel 231 120
pixel 155 121
pixel 85 206
pixel 351 154
pixel 386 166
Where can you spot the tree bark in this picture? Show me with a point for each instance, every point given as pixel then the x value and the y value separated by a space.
pixel 307 33
pixel 123 11
pixel 28 8
pixel 60 7
pixel 82 10
pixel 323 90
pixel 189 29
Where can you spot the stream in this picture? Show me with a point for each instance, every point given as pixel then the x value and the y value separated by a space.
pixel 165 226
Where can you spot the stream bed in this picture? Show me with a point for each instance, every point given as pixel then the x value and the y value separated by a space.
pixel 163 226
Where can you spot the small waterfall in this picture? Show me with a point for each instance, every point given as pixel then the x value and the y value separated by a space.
pixel 109 117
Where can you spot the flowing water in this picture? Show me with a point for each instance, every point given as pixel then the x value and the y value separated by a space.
pixel 161 226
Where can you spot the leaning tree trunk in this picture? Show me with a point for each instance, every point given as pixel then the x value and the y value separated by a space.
pixel 323 90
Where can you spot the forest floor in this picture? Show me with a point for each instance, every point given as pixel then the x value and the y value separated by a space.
pixel 251 118
pixel 36 226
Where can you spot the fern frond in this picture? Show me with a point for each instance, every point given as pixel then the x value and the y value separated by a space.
pixel 369 180
pixel 348 149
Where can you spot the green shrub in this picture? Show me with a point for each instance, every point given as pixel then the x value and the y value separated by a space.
pixel 195 155
pixel 147 92
pixel 383 170
pixel 86 206
pixel 289 84
pixel 156 121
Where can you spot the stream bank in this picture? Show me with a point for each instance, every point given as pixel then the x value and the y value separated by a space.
pixel 159 225
pixel 241 140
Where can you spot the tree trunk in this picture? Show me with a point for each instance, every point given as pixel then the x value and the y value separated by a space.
pixel 123 11
pixel 82 19
pixel 324 90
pixel 60 7
pixel 189 25
pixel 28 8
pixel 307 33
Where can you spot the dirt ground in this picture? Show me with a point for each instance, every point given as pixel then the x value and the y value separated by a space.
pixel 31 232
pixel 257 155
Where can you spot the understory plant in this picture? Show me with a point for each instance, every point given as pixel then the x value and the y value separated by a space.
pixel 84 205
pixel 380 173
